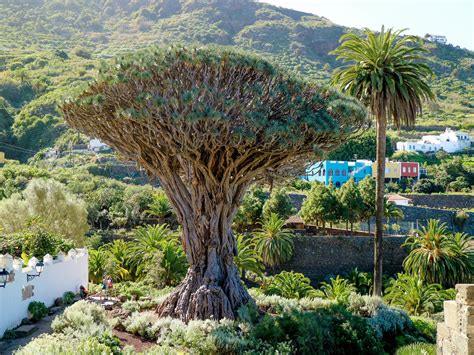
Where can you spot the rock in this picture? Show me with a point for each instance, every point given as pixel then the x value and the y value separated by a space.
pixel 58 302
pixel 54 310
pixel 25 330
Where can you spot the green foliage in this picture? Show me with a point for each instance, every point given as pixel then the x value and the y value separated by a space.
pixel 426 186
pixel 247 259
pixel 453 175
pixel 58 210
pixel 360 147
pixel 156 253
pixel 289 285
pixel 324 331
pixel 279 203
pixel 320 206
pixel 351 202
pixel 251 209
pixel 436 256
pixel 425 326
pixel 415 296
pixel 362 281
pixel 60 344
pixel 274 243
pixel 338 290
pixel 68 298
pixel 34 241
pixel 37 311
pixel 417 349
pixel 82 319
pixel 160 206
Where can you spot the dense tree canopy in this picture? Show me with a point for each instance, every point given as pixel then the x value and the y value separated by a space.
pixel 209 122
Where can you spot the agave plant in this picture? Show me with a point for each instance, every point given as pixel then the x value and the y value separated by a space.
pixel 415 296
pixel 436 256
pixel 290 285
pixel 273 243
pixel 339 290
pixel 247 258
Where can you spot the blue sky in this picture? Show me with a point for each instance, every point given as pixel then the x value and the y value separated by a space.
pixel 451 18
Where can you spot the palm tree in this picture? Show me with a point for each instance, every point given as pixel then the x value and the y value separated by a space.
pixel 387 73
pixel 436 256
pixel 273 243
pixel 160 207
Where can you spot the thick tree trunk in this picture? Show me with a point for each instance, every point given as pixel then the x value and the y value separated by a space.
pixel 379 203
pixel 212 288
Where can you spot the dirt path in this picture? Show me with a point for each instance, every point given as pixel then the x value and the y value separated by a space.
pixel 44 327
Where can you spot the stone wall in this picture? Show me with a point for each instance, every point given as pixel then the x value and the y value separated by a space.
pixel 442 201
pixel 455 335
pixel 322 257
pixel 420 216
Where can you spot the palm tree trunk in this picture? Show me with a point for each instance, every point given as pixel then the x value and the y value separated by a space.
pixel 379 203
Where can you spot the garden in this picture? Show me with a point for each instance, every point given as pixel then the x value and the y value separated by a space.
pixel 192 266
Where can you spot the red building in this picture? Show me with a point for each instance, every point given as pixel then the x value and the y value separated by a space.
pixel 410 170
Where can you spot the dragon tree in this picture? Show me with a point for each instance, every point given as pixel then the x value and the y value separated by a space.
pixel 208 123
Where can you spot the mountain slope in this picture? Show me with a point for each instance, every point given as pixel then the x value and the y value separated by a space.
pixel 49 46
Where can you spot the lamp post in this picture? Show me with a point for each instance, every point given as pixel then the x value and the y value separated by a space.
pixel 39 267
pixel 3 278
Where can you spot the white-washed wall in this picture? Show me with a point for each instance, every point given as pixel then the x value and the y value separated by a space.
pixel 66 273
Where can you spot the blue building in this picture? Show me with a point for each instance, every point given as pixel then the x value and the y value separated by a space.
pixel 338 171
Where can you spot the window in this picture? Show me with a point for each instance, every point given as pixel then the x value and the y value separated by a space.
pixel 414 169
pixel 344 173
pixel 338 172
pixel 409 169
pixel 330 172
pixel 404 169
pixel 324 172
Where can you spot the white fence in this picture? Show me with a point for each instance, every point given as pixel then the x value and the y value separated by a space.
pixel 62 274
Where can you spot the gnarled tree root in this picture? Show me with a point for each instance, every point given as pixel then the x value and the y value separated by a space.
pixel 197 300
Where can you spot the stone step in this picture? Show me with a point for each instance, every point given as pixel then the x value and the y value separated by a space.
pixel 25 330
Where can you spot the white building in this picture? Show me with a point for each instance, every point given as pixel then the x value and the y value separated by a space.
pixel 97 146
pixel 437 38
pixel 450 141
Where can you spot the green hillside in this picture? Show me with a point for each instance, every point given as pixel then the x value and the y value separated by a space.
pixel 49 47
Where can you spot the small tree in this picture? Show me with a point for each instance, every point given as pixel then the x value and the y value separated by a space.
pixel 351 202
pixel 320 205
pixel 279 203
pixel 250 211
pixel 367 192
pixel 209 123
pixel 51 204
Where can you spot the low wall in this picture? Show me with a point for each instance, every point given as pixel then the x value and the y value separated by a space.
pixel 322 257
pixel 65 273
pixel 443 201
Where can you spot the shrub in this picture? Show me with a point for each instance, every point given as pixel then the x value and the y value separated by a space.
pixel 278 203
pixel 417 349
pixel 82 319
pixel 324 331
pixel 68 298
pixel 60 344
pixel 426 326
pixel 273 243
pixel 290 285
pixel 338 289
pixel 250 211
pixel 247 258
pixel 37 311
pixel 141 324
